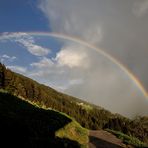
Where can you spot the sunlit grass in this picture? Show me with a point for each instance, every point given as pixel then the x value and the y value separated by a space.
pixel 74 132
pixel 128 139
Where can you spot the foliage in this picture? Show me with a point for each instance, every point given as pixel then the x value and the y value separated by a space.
pixel 88 115
pixel 128 139
pixel 75 132
pixel 25 125
pixel 132 128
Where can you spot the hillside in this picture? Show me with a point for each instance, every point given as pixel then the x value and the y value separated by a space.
pixel 88 115
pixel 25 125
pixel 31 90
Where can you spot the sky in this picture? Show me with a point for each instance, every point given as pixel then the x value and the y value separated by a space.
pixel 118 28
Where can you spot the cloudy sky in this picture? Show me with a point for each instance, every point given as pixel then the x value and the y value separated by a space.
pixel 118 28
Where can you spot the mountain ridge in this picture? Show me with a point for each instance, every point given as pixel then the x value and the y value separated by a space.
pixel 91 117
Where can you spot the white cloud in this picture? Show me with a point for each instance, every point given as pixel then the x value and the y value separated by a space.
pixel 140 8
pixel 27 41
pixel 69 60
pixel 18 69
pixel 72 56
pixel 44 63
pixel 7 58
pixel 32 47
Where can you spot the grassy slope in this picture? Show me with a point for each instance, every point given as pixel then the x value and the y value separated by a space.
pixel 128 139
pixel 33 91
pixel 25 125
pixel 88 115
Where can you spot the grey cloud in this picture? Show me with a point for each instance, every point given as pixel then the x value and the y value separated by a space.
pixel 71 18
pixel 140 8
pixel 120 32
pixel 106 85
pixel 101 83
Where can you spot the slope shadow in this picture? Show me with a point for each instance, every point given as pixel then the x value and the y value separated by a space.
pixel 24 125
pixel 100 143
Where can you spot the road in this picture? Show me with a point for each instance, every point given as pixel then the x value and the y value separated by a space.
pixel 104 139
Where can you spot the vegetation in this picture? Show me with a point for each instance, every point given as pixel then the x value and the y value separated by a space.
pixel 134 128
pixel 25 125
pixel 88 115
pixel 74 131
pixel 128 139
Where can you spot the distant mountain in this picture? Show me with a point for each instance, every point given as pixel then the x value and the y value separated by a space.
pixel 88 115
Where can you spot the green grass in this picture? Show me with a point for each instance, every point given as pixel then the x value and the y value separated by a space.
pixel 3 91
pixel 75 132
pixel 128 139
pixel 37 127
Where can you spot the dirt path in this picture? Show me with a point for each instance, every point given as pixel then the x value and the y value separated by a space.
pixel 104 139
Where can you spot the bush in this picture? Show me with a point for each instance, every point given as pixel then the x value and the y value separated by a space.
pixel 128 139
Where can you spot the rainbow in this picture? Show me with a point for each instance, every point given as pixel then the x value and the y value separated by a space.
pixel 102 52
